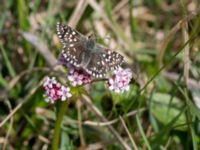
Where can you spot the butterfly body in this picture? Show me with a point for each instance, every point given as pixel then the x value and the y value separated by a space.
pixel 84 52
pixel 90 44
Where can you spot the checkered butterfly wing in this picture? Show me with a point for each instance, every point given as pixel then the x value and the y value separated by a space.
pixel 72 44
pixel 99 61
pixel 103 61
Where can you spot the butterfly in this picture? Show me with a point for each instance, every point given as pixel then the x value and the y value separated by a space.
pixel 84 52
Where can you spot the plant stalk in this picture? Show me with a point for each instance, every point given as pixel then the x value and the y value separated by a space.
pixel 62 106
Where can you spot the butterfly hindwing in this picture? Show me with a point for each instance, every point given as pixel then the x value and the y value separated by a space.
pixel 74 53
pixel 111 58
pixel 96 66
pixel 103 61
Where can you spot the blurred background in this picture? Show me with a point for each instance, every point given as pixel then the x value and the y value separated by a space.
pixel 160 42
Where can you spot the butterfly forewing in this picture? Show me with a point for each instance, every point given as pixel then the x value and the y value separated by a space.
pixel 68 35
pixel 72 44
pixel 74 53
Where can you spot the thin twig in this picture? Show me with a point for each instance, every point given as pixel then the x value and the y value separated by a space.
pixel 21 104
pixel 95 146
pixel 46 113
pixel 129 134
pixel 164 43
pixel 78 12
pixel 88 103
pixel 192 84
pixel 98 8
pixel 11 114
pixel 119 6
pixel 78 105
pixel 14 81
pixel 92 123
pixel 99 145
pixel 186 59
pixel 10 126
pixel 41 47
pixel 44 139
pixel 168 143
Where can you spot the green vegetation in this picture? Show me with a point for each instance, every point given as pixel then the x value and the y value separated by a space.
pixel 160 41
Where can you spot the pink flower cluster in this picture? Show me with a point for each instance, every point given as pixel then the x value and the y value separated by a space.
pixel 78 76
pixel 120 80
pixel 55 91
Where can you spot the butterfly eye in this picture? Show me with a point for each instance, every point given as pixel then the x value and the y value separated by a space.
pixel 92 37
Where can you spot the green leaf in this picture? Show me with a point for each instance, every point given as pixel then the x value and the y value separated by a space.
pixel 165 110
pixel 7 62
pixel 162 84
pixel 194 110
pixel 142 132
pixel 22 14
pixel 66 143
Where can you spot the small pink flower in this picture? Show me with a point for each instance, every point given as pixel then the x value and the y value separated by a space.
pixel 119 82
pixel 65 93
pixel 78 76
pixel 55 91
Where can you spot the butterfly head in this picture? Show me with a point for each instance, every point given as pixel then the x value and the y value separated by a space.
pixel 91 42
pixel 92 37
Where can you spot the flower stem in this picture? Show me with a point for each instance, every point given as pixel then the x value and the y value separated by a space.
pixel 59 117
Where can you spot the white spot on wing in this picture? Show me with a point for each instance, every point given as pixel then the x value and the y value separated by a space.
pixel 65 55
pixel 71 45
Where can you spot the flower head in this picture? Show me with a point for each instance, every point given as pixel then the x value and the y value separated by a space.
pixel 55 91
pixel 119 82
pixel 76 75
pixel 64 62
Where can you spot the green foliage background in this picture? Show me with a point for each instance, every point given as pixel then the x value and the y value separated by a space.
pixel 160 42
